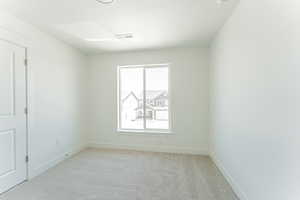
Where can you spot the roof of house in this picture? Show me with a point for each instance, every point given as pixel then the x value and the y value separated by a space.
pixel 152 94
pixel 128 95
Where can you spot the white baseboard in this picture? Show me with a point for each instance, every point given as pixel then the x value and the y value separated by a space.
pixel 236 188
pixel 47 165
pixel 151 148
pixel 53 162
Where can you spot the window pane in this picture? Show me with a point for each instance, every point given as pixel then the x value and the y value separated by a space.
pixel 157 111
pixel 131 98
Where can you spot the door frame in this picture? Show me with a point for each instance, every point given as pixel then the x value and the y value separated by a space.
pixel 11 41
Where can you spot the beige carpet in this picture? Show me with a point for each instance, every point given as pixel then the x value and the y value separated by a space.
pixel 127 175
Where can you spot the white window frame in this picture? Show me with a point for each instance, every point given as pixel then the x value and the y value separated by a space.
pixel 145 129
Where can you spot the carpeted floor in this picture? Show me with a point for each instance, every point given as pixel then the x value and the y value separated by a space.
pixel 127 175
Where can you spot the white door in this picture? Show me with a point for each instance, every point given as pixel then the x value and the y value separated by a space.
pixel 13 150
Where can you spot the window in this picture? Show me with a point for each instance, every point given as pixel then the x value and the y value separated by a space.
pixel 144 98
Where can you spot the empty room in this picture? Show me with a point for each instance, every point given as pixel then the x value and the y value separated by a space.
pixel 149 100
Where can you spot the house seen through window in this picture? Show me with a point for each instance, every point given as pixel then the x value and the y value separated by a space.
pixel 144 98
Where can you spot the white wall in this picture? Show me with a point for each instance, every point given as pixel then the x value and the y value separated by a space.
pixel 57 78
pixel 189 91
pixel 256 99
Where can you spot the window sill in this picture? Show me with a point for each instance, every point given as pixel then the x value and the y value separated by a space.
pixel 144 132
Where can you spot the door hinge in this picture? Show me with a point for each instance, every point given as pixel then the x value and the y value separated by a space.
pixel 27 159
pixel 26 62
pixel 26 111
